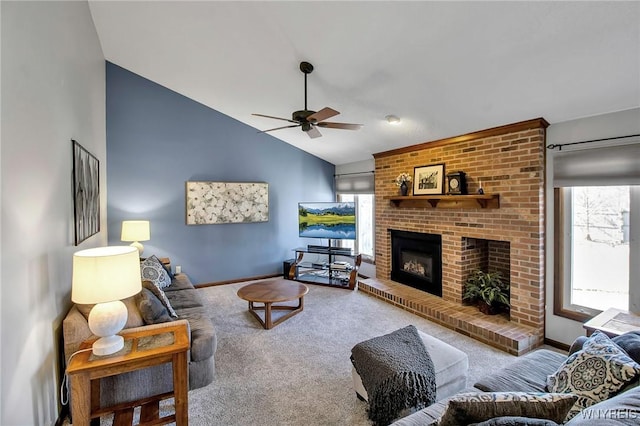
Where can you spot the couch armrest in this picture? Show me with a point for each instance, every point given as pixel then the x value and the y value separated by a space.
pixel 75 330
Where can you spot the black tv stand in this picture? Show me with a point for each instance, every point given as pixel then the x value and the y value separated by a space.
pixel 328 250
pixel 322 249
pixel 327 270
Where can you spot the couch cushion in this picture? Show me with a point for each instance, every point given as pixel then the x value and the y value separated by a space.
pixel 621 410
pixel 515 421
pixel 186 298
pixel 467 408
pixel 179 282
pixel 203 338
pixel 594 373
pixel 527 374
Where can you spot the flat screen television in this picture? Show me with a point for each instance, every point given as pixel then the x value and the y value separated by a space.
pixel 331 220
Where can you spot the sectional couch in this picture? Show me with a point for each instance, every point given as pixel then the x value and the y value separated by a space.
pixel 530 374
pixel 189 307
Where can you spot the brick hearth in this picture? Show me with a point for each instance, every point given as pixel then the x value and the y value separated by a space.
pixel 494 330
pixel 510 162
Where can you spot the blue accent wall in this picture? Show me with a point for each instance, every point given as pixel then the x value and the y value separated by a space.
pixel 157 140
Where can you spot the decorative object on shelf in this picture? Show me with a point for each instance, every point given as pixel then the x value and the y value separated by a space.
pixel 226 202
pixel 457 183
pixel 135 231
pixel 480 190
pixel 428 180
pixel 402 181
pixel 105 276
pixel 487 290
pixel 86 193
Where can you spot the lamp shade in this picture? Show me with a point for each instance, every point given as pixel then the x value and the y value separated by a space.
pixel 105 274
pixel 135 230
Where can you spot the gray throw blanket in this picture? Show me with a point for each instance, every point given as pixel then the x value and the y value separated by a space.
pixel 397 372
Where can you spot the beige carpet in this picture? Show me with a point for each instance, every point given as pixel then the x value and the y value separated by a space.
pixel 299 373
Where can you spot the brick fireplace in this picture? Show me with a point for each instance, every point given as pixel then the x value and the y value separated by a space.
pixel 505 233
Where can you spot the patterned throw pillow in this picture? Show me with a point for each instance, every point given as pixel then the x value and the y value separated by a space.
pixel 467 408
pixel 594 373
pixel 152 270
pixel 161 296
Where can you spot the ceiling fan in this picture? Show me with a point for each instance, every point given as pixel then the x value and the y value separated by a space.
pixel 311 120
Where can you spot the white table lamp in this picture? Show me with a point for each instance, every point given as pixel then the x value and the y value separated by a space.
pixel 136 230
pixel 105 276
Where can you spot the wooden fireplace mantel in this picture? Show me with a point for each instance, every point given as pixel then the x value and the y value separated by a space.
pixel 484 201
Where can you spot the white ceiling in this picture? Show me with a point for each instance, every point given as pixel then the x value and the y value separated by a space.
pixel 445 68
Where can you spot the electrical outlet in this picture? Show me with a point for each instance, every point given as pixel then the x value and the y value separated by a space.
pixel 178 269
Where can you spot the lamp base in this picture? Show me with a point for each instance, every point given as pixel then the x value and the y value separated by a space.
pixel 108 345
pixel 105 321
pixel 139 246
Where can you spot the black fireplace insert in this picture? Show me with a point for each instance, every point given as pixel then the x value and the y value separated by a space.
pixel 416 260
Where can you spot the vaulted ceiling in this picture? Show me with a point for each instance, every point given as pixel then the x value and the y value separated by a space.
pixel 445 68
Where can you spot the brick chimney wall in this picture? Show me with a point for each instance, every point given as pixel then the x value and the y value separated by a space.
pixel 510 162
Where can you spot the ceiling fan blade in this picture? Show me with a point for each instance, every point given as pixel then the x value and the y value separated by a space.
pixel 323 114
pixel 346 126
pixel 278 128
pixel 313 133
pixel 276 118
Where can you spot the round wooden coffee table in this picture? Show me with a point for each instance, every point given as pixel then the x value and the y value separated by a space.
pixel 270 292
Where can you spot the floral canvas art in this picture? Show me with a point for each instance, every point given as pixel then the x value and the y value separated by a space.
pixel 227 202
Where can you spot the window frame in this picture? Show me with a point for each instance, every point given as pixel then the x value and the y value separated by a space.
pixel 562 256
pixel 365 257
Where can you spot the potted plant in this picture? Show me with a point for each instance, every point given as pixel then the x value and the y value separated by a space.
pixel 488 290
pixel 402 181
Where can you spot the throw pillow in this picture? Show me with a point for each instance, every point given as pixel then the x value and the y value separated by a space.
pixel 621 410
pixel 152 270
pixel 630 343
pixel 157 291
pixel 151 308
pixel 594 373
pixel 467 408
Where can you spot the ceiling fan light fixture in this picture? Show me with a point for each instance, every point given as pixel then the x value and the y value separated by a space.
pixel 394 120
pixel 308 119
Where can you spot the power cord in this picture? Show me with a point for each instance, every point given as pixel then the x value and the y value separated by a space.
pixel 64 396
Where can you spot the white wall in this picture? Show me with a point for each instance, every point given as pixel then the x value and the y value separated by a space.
pixel 620 123
pixel 53 90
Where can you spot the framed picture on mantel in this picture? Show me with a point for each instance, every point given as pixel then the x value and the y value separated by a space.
pixel 428 180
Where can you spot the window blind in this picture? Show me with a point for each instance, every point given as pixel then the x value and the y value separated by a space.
pixel 355 183
pixel 599 166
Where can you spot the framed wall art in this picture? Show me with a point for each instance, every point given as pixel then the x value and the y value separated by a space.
pixel 428 180
pixel 226 202
pixel 86 193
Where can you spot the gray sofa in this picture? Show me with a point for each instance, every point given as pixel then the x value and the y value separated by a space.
pixel 529 374
pixel 187 303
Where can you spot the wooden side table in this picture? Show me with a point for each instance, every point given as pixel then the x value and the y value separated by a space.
pixel 143 348
pixel 613 322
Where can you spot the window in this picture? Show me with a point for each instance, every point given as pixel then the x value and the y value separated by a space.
pixel 595 229
pixel 364 224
